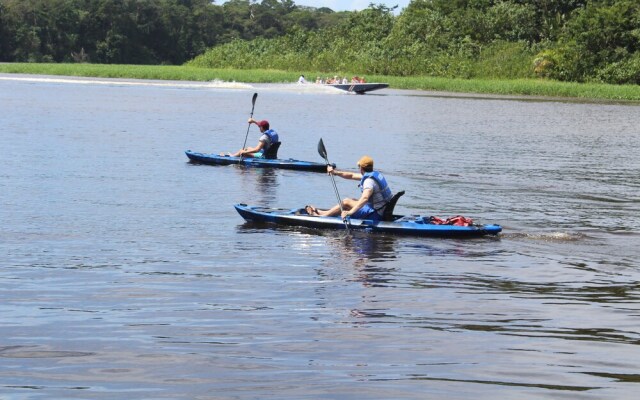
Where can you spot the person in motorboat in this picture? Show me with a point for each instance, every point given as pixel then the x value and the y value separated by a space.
pixel 301 79
pixel 268 139
pixel 373 200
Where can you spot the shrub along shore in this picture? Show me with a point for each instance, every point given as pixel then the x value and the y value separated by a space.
pixel 519 87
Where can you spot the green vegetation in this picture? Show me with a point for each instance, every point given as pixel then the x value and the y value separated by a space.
pixel 489 46
pixel 142 31
pixel 528 87
pixel 161 72
pixel 521 87
pixel 568 40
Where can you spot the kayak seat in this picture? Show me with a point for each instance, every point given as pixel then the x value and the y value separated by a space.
pixel 388 211
pixel 272 151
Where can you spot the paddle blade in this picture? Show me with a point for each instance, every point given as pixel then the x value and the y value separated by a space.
pixel 321 150
pixel 253 106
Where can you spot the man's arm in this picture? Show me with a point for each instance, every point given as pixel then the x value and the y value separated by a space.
pixel 251 150
pixel 366 193
pixel 344 174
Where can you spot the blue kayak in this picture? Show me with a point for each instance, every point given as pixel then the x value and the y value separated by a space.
pixel 214 159
pixel 400 225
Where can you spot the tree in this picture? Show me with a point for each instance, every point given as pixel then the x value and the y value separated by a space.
pixel 602 33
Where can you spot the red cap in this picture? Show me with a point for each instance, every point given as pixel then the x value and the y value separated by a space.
pixel 263 124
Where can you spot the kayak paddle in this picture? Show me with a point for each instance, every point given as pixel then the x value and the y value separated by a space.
pixel 253 104
pixel 323 153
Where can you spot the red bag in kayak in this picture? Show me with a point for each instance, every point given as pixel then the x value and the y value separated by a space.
pixel 458 220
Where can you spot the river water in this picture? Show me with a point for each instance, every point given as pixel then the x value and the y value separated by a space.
pixel 125 272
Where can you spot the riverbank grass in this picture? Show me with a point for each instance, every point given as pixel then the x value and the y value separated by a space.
pixel 519 87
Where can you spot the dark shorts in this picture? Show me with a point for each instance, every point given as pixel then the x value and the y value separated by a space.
pixel 367 212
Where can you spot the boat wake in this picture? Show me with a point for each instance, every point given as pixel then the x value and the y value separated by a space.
pixel 301 88
pixel 548 236
pixel 215 84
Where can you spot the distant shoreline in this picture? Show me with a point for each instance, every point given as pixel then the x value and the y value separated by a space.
pixel 520 89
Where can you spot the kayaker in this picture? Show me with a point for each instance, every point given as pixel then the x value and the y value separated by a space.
pixel 373 200
pixel 269 137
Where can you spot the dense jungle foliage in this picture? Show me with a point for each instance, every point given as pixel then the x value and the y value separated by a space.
pixel 569 40
pixel 142 31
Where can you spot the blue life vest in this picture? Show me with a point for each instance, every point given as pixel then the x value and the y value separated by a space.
pixel 382 182
pixel 273 137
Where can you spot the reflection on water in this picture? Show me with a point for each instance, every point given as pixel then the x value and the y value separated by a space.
pixel 262 181
pixel 126 273
pixel 359 245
